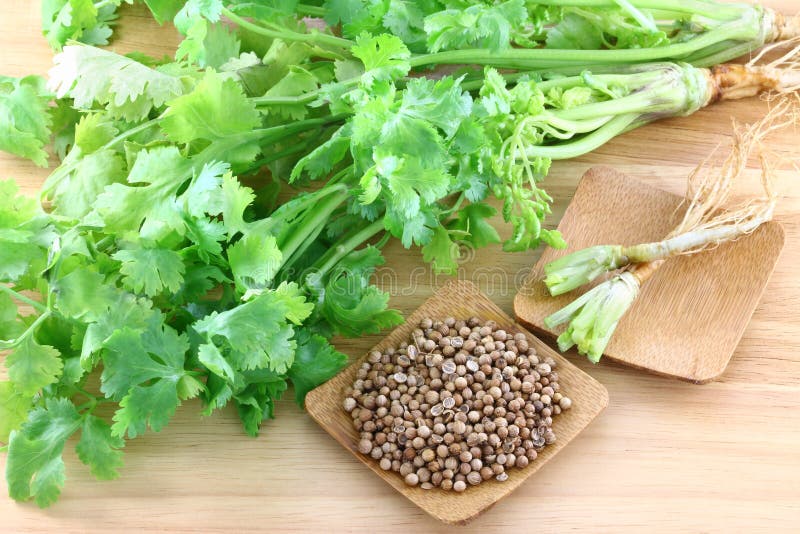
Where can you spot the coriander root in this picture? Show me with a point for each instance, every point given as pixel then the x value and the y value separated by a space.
pixel 593 317
pixel 459 420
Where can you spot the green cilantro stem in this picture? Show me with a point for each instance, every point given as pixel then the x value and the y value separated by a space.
pixel 584 145
pixel 12 343
pixel 311 11
pixel 305 98
pixel 526 58
pixel 316 223
pixel 22 298
pixel 313 38
pixel 345 246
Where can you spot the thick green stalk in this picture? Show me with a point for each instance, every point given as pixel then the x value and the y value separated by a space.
pixel 345 246
pixel 584 145
pixel 314 225
pixel 541 58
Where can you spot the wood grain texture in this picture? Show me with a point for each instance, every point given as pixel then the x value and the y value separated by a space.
pixel 691 314
pixel 461 300
pixel 665 456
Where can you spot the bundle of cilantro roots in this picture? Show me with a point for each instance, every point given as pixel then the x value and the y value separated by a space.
pixel 148 273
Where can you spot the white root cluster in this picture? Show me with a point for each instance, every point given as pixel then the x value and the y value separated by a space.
pixel 705 224
pixel 783 71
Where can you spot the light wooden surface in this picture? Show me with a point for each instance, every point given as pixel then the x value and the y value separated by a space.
pixel 665 455
pixel 689 334
pixel 462 299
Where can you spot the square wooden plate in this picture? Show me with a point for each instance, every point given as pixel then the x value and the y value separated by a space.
pixel 691 314
pixel 461 300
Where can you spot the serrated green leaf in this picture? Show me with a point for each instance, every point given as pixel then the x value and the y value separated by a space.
pixel 32 366
pixel 99 448
pixel 210 356
pixel 473 221
pixel 132 357
pixel 25 118
pixel 477 26
pixel 254 261
pixel 385 57
pixel 151 406
pixel 128 89
pixel 315 362
pixel 35 468
pixel 83 294
pixel 236 198
pixel 151 270
pixel 441 251
pixel 217 108
pixel 13 409
pixel 75 194
pixel 351 305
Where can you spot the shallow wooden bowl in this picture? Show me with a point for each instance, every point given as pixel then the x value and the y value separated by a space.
pixel 461 300
pixel 691 314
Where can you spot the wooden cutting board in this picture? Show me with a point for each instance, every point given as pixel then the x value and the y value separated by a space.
pixel 691 314
pixel 664 455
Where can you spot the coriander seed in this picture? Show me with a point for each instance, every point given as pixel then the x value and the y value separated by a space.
pixel 460 403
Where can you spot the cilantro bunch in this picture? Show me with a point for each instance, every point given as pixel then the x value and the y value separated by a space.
pixel 216 219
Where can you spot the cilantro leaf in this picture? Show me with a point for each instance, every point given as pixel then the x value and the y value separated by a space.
pixel 441 251
pixel 477 26
pixel 75 193
pixel 256 334
pixel 155 177
pixel 13 409
pixel 323 158
pixel 210 356
pixel 406 19
pixel 385 57
pixel 35 467
pixel 257 403
pixel 134 357
pixel 575 33
pixel 254 260
pixel 351 305
pixel 151 270
pixel 15 209
pixel 208 45
pixel 32 366
pixel 127 88
pixel 216 109
pixel 84 294
pixel 10 326
pixel 472 221
pixel 164 10
pixel 315 362
pixel 25 118
pixel 235 198
pixel 192 10
pixel 99 448
pixel 355 16
pixel 79 20
pixel 142 370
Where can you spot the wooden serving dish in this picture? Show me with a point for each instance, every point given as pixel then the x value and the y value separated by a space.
pixel 461 300
pixel 691 314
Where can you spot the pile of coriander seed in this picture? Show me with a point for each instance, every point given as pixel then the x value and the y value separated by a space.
pixel 462 403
